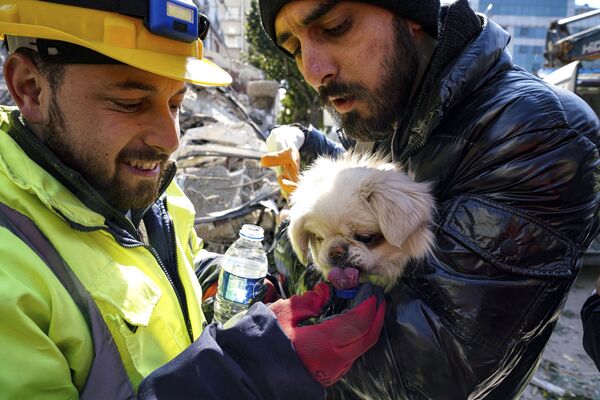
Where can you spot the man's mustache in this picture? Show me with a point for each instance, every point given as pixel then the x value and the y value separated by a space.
pixel 342 90
pixel 147 155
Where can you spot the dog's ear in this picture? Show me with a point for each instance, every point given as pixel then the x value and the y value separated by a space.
pixel 299 237
pixel 401 206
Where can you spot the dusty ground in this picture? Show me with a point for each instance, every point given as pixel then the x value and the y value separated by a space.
pixel 564 362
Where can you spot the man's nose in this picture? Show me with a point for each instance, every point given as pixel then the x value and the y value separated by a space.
pixel 164 132
pixel 318 66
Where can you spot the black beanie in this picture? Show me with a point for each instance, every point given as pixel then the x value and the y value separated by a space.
pixel 424 12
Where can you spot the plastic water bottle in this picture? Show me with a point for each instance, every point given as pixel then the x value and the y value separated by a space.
pixel 243 269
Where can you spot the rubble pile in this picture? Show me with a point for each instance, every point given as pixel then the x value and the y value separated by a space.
pixel 5 98
pixel 218 167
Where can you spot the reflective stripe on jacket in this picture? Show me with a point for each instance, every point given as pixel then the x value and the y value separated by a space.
pixel 42 329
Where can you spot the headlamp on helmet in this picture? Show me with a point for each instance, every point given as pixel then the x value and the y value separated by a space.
pixel 174 19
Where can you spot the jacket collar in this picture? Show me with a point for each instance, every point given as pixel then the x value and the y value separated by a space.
pixel 469 50
pixel 40 171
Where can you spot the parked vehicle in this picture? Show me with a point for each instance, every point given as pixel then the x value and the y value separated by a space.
pixel 566 55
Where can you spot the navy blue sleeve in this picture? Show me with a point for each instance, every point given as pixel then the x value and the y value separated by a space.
pixel 253 359
pixel 590 316
pixel 317 144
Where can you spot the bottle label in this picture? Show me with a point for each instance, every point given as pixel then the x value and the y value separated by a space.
pixel 238 289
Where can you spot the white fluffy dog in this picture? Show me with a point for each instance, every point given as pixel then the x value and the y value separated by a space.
pixel 360 212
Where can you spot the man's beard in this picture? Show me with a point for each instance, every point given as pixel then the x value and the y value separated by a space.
pixel 389 102
pixel 93 167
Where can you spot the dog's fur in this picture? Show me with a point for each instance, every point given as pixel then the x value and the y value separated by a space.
pixel 361 212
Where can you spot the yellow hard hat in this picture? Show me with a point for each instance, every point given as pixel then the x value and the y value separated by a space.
pixel 121 37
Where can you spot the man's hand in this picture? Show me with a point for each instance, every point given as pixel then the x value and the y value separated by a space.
pixel 328 348
pixel 283 155
pixel 208 272
pixel 287 162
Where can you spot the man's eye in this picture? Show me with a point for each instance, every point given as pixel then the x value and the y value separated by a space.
pixel 370 239
pixel 128 107
pixel 339 29
pixel 295 52
pixel 316 238
pixel 176 107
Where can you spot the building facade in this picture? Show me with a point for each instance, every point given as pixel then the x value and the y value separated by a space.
pixel 233 18
pixel 527 22
pixel 213 40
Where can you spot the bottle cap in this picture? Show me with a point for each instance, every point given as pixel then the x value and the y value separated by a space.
pixel 252 232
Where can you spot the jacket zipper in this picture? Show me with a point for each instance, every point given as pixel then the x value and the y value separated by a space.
pixel 180 296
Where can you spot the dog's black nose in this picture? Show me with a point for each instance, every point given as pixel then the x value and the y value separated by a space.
pixel 338 253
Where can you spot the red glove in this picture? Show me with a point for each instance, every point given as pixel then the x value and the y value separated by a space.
pixel 328 348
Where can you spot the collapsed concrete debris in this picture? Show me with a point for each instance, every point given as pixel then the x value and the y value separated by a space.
pixel 218 162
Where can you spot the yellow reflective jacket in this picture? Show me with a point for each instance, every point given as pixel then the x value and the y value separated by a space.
pixel 45 343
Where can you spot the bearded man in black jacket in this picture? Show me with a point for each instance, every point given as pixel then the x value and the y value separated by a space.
pixel 516 177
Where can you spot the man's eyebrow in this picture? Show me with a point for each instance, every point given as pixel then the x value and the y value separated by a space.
pixel 182 91
pixel 132 85
pixel 317 12
pixel 136 85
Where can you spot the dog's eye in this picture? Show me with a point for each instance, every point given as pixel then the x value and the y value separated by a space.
pixel 370 239
pixel 316 238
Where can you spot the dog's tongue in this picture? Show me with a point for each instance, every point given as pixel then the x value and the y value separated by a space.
pixel 343 278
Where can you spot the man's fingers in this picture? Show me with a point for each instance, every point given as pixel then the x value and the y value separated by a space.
pixel 286 185
pixel 360 323
pixel 288 156
pixel 271 160
pixel 297 308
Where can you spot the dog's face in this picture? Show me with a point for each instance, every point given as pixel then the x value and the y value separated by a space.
pixel 361 213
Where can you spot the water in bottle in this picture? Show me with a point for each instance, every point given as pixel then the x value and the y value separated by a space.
pixel 243 269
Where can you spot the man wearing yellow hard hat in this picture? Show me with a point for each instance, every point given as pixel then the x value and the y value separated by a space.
pixel 98 295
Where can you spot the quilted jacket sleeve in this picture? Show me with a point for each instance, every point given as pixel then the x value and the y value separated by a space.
pixel 251 360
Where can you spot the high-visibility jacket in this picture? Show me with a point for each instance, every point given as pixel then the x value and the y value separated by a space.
pixel 43 333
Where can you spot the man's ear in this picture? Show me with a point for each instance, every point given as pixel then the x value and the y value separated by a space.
pixel 414 27
pixel 25 84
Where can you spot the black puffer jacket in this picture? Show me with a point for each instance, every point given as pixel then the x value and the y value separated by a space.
pixel 517 181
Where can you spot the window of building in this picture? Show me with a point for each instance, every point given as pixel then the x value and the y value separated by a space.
pixel 531 32
pixel 541 8
pixel 525 49
pixel 529 57
pixel 233 13
pixel 233 41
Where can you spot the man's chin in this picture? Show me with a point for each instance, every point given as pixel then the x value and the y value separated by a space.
pixel 360 132
pixel 128 197
pixel 358 127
